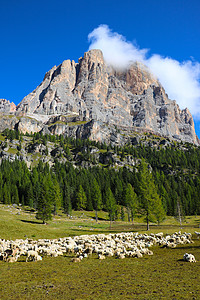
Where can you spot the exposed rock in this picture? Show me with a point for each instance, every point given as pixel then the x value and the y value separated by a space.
pixel 92 91
pixel 8 121
pixel 6 106
pixel 27 124
pixel 36 148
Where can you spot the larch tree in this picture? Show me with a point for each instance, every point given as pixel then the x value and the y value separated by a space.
pixel 44 205
pixel 6 194
pixel 122 213
pixel 159 211
pixel 15 196
pixel 55 195
pixel 81 199
pixel 30 195
pixel 67 199
pixel 96 198
pixel 179 211
pixel 110 204
pixel 149 199
pixel 130 201
pixel 1 186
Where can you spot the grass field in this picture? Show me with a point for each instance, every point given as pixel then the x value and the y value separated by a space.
pixel 161 276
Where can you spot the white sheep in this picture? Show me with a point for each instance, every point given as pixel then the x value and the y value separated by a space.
pixel 76 259
pixel 197 233
pixel 11 259
pixel 189 257
pixel 101 256
pixel 32 256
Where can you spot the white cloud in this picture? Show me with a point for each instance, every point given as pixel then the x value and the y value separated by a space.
pixel 181 80
pixel 116 50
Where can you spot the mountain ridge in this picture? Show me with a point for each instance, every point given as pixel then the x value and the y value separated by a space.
pixel 132 99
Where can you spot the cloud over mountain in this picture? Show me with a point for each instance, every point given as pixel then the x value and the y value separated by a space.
pixel 181 80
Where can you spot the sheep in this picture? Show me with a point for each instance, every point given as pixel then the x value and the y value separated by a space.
pixel 53 254
pixel 197 233
pixel 38 258
pixel 138 254
pixel 120 245
pixel 189 257
pixel 149 252
pixel 32 256
pixel 101 256
pixel 171 245
pixel 11 259
pixel 76 259
pixel 121 256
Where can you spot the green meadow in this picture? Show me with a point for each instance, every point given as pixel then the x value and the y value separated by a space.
pixel 162 276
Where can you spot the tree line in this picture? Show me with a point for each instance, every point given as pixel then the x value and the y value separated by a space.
pixel 63 186
pixel 165 181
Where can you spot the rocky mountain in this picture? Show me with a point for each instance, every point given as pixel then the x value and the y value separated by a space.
pixel 6 106
pixel 104 104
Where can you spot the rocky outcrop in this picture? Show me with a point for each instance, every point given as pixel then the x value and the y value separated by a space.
pixel 6 106
pixel 132 99
pixel 29 125
pixel 154 111
pixel 8 121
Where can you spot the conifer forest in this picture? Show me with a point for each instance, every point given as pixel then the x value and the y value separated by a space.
pixel 164 181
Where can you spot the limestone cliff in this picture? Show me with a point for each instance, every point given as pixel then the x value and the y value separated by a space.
pixel 132 99
pixel 6 106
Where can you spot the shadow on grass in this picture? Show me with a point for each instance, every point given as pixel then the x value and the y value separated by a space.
pixel 99 218
pixel 198 222
pixel 29 210
pixel 188 247
pixel 181 260
pixel 87 231
pixel 31 222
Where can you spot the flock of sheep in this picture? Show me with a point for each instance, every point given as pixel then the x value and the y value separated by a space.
pixel 120 245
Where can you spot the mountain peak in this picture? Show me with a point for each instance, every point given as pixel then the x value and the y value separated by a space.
pixel 132 98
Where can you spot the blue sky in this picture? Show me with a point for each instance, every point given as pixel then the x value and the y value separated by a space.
pixel 36 35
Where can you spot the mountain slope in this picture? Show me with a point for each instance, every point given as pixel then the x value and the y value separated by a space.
pixel 131 100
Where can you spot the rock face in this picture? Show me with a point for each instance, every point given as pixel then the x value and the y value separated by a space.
pixel 132 99
pixel 6 106
pixel 8 122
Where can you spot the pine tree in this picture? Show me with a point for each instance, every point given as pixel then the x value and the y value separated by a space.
pixel 6 194
pixel 150 202
pixel 44 203
pixel 1 186
pixel 81 200
pixel 122 213
pixel 96 197
pixel 118 190
pixel 56 194
pixel 159 211
pixel 29 195
pixel 179 211
pixel 15 196
pixel 117 211
pixel 130 201
pixel 110 204
pixel 67 200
